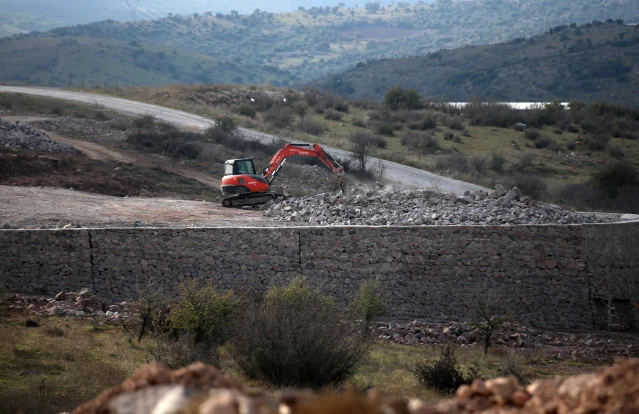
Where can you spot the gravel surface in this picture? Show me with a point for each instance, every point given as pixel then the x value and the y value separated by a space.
pixel 424 207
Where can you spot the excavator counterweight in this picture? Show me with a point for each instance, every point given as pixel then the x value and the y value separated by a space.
pixel 244 187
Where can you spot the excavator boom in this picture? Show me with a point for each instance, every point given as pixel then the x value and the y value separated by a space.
pixel 309 150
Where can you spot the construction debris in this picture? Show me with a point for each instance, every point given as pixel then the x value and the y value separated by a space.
pixel 391 207
pixel 21 136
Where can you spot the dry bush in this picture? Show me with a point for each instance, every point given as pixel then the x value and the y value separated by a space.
pixel 279 117
pixel 312 127
pixel 615 152
pixel 597 142
pixel 332 115
pixel 531 185
pixel 543 141
pixel 532 134
pixel 445 374
pixel 479 163
pixel 497 162
pixel 296 337
pixel 455 123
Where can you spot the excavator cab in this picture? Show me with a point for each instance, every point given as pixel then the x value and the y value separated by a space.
pixel 238 167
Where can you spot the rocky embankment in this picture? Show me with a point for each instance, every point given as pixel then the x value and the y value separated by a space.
pixel 85 128
pixel 556 344
pixel 425 207
pixel 204 389
pixel 83 304
pixel 21 136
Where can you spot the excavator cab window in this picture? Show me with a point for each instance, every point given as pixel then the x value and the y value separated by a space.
pixel 244 167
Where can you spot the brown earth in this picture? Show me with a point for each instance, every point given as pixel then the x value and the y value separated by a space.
pixel 612 390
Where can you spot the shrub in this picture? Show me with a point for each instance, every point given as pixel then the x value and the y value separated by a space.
pixel 384 129
pixel 532 134
pixel 244 110
pixel 543 141
pixel 597 142
pixel 427 123
pixel 332 115
pixel 530 185
pixel 369 302
pixel 479 163
pixel 492 315
pixel 358 122
pixel 445 374
pixel 497 162
pixel 204 313
pixel 181 150
pixel 492 114
pixel 176 144
pixel 279 117
pixel 149 313
pixel 615 152
pixel 312 127
pixel 179 351
pixel 341 106
pixel 146 121
pixel 455 161
pixel 455 123
pixel 527 159
pixel 296 337
pixel 612 178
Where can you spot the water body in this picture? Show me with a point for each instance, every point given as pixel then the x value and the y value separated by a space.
pixel 514 105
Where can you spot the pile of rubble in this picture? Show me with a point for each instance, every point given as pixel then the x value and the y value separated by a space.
pixel 206 390
pixel 425 207
pixel 302 180
pixel 512 335
pixel 21 136
pixel 82 304
pixel 84 128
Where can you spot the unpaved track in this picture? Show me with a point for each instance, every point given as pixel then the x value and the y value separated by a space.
pixel 396 173
pixel 100 152
pixel 35 207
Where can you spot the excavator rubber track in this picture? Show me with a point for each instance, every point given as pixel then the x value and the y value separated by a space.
pixel 249 199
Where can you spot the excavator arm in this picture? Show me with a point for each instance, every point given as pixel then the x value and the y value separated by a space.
pixel 309 150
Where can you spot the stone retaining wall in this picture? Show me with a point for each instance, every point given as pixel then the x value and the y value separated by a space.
pixel 554 276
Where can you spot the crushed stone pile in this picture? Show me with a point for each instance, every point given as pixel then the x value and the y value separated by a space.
pixel 83 128
pixel 576 346
pixel 206 390
pixel 303 180
pixel 83 304
pixel 21 136
pixel 425 207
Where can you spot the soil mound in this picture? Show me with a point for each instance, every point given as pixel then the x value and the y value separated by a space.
pixel 205 390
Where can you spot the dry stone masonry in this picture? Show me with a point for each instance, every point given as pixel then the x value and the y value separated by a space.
pixel 420 207
pixel 554 275
pixel 21 136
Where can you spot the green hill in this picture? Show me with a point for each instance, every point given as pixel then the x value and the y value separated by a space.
pixel 593 62
pixel 296 47
pixel 56 61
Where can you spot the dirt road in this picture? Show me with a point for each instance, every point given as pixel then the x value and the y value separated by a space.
pixel 395 173
pixel 37 207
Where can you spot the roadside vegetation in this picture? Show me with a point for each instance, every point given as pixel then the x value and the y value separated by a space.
pixel 581 155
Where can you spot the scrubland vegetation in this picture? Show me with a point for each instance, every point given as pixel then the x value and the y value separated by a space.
pixel 581 155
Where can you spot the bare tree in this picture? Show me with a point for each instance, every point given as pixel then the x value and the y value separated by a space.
pixel 492 315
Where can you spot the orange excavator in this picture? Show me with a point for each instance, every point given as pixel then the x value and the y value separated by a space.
pixel 247 188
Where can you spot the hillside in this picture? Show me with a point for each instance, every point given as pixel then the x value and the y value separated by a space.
pixel 310 43
pixel 56 61
pixel 592 62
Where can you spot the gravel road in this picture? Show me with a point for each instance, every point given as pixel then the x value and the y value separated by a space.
pixel 395 173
